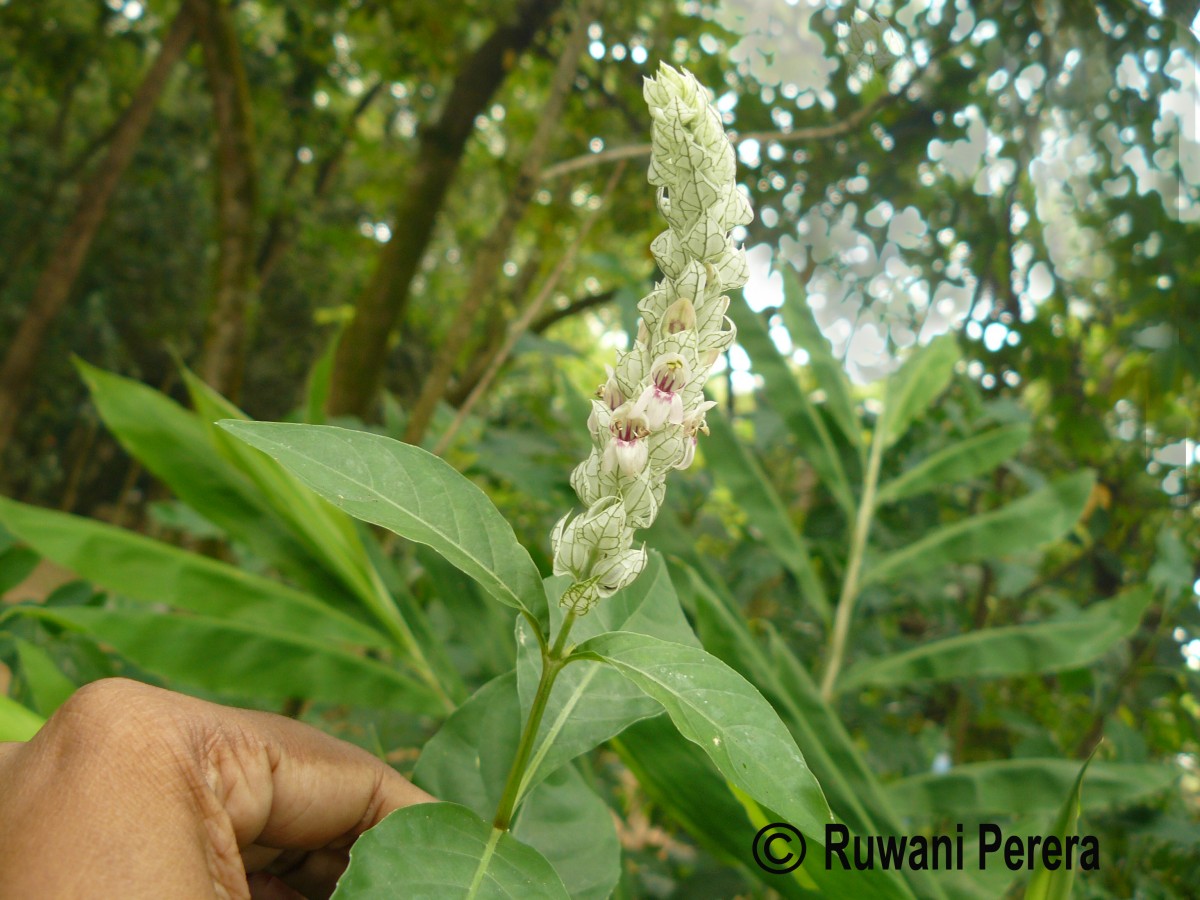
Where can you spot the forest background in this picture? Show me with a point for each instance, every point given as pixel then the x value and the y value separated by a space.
pixel 431 220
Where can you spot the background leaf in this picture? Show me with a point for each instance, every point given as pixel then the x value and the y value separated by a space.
pixel 175 445
pixel 17 722
pixel 155 572
pixel 1024 524
pixel 793 405
pixel 256 662
pixel 917 384
pixel 1047 884
pixel 827 371
pixel 1011 650
pixel 976 455
pixel 1021 787
pixel 48 686
pixel 733 464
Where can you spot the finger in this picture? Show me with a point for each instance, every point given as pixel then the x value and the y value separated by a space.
pixel 264 886
pixel 316 875
pixel 286 784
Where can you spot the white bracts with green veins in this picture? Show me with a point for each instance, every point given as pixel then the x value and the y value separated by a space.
pixel 650 409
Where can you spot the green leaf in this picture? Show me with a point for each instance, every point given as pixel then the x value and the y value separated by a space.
pixel 1055 884
pixel 788 399
pixel 827 371
pixel 331 539
pixel 592 702
pixel 48 686
pixel 15 565
pixel 327 533
pixel 17 723
pixel 409 491
pixel 243 659
pixel 175 445
pixel 958 462
pixel 1035 519
pixel 148 570
pixel 680 779
pixel 716 708
pixel 847 778
pixel 855 795
pixel 1008 651
pixel 442 851
pixel 467 762
pixel 1021 787
pixel 733 464
pixel 319 378
pixel 918 383
pixel 565 821
pixel 468 758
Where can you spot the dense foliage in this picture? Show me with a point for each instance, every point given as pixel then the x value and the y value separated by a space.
pixel 946 518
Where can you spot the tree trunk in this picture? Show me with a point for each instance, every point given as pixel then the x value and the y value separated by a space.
pixel 54 285
pixel 223 357
pixel 358 365
pixel 489 257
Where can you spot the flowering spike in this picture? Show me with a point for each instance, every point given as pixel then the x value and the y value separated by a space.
pixel 650 409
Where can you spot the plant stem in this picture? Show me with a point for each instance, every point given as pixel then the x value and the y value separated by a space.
pixel 858 547
pixel 552 663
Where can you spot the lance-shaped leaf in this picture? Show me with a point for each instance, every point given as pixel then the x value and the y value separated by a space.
pixel 442 851
pixel 1021 787
pixel 1024 524
pixel 829 373
pixel 1055 884
pixel 958 462
pixel 737 469
pixel 409 491
pixel 175 445
pixel 919 382
pixel 720 712
pixel 1008 651
pixel 716 708
pixel 148 570
pixel 243 659
pixel 798 412
pixel 48 687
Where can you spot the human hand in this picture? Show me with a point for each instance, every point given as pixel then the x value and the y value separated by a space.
pixel 132 791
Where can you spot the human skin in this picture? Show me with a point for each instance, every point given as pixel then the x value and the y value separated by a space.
pixel 135 792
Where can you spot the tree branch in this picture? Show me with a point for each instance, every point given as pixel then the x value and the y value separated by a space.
pixel 576 306
pixel 815 133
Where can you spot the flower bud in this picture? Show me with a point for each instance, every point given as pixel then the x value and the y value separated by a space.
pixel 585 479
pixel 680 316
pixel 617 571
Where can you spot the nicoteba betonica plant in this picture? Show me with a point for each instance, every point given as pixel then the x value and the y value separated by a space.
pixel 647 415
